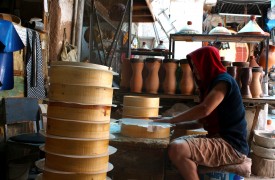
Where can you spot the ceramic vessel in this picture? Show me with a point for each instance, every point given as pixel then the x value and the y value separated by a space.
pixel 136 82
pixel 255 86
pixel 188 29
pixel 246 78
pixel 252 28
pixel 160 47
pixel 152 66
pixel 126 74
pixel 271 58
pixel 170 82
pixel 187 85
pixel 239 66
pixel 161 77
pixel 226 63
pixel 253 62
pixel 220 30
pixel 232 70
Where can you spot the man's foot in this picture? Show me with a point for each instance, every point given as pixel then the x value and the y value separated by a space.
pixel 242 169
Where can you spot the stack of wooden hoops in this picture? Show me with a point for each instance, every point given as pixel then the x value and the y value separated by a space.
pixel 263 156
pixel 142 108
pixel 77 133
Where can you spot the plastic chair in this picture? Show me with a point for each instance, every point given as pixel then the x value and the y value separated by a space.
pixel 19 111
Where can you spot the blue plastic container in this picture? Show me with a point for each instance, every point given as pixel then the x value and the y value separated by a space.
pixel 220 176
pixel 6 71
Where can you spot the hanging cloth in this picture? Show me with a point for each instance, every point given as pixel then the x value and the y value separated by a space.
pixel 9 42
pixel 69 52
pixel 34 66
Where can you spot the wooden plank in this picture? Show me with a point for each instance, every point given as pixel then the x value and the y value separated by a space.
pixel 142 19
pixel 221 38
pixel 265 100
pixel 142 12
pixel 142 8
pixel 255 122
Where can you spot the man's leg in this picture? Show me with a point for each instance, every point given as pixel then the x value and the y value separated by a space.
pixel 180 154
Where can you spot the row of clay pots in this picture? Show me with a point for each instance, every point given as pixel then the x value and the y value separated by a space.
pixel 249 78
pixel 154 75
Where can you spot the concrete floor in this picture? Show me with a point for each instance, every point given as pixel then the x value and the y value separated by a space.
pixel 252 177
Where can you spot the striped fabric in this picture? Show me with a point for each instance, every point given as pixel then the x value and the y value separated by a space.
pixel 34 66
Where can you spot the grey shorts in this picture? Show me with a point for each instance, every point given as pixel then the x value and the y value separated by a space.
pixel 213 152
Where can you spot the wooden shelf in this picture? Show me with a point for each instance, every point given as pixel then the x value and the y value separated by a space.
pixel 221 38
pixel 195 98
pixel 150 53
pixel 264 100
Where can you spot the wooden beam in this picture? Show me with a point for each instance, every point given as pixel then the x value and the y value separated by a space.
pixel 142 11
pixel 143 19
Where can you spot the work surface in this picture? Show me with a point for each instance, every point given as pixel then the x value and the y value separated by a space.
pixel 141 158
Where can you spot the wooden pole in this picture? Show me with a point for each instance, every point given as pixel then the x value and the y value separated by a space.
pixel 77 30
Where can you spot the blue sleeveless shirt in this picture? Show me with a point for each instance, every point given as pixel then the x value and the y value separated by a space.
pixel 231 112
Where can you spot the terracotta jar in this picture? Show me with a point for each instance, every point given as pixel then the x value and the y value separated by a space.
pixel 246 78
pixel 224 62
pixel 232 70
pixel 126 74
pixel 136 79
pixel 152 66
pixel 161 76
pixel 271 57
pixel 170 82
pixel 253 62
pixel 255 86
pixel 187 85
pixel 239 66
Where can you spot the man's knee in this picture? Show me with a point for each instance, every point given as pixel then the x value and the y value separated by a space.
pixel 179 149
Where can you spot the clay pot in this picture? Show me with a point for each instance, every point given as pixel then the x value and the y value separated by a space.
pixel 161 77
pixel 239 66
pixel 271 58
pixel 126 74
pixel 136 79
pixel 170 82
pixel 226 63
pixel 152 66
pixel 253 62
pixel 255 86
pixel 187 85
pixel 232 70
pixel 246 78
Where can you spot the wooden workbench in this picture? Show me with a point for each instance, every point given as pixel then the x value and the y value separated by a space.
pixel 138 158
